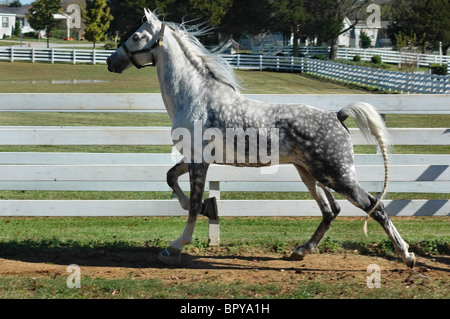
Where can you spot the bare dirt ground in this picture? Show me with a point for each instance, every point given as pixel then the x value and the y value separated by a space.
pixel 251 268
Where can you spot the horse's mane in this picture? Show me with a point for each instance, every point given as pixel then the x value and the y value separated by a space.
pixel 204 60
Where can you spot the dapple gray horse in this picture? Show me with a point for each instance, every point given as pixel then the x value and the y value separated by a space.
pixel 200 87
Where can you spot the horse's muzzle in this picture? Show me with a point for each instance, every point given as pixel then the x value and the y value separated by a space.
pixel 113 67
pixel 109 63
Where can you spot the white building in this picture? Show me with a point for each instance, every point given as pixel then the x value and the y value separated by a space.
pixel 8 18
pixel 352 38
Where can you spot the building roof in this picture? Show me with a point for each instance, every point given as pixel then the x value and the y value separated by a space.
pixel 363 24
pixel 19 11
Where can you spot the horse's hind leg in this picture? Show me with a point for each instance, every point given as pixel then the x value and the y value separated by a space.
pixel 329 207
pixel 197 174
pixel 365 201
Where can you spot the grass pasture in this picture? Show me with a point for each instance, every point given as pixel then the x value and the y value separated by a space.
pixel 20 77
pixel 117 256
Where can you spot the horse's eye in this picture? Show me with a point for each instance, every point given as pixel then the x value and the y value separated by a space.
pixel 135 37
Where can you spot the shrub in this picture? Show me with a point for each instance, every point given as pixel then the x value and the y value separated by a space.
pixel 365 40
pixel 357 58
pixel 319 57
pixel 438 69
pixel 59 34
pixel 376 59
pixel 110 46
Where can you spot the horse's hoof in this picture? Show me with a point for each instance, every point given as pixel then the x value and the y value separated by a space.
pixel 169 259
pixel 209 208
pixel 410 261
pixel 296 256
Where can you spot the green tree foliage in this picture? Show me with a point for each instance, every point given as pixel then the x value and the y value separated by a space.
pixel 15 4
pixel 247 17
pixel 328 20
pixel 228 17
pixel 97 17
pixel 365 40
pixel 128 15
pixel 429 20
pixel 17 29
pixel 292 15
pixel 213 10
pixel 41 15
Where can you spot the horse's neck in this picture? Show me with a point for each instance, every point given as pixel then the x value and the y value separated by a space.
pixel 186 92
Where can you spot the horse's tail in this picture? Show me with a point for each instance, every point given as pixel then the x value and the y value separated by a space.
pixel 371 125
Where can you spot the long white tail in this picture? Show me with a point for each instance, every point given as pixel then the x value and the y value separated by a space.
pixel 371 125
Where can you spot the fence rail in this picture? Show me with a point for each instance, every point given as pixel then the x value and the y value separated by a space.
pixel 153 102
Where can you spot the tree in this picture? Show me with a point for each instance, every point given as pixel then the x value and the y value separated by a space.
pixel 427 19
pixel 292 14
pixel 229 18
pixel 41 16
pixel 366 42
pixel 97 17
pixel 15 4
pixel 247 17
pixel 213 10
pixel 328 20
pixel 17 29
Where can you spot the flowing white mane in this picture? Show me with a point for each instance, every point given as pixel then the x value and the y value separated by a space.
pixel 205 61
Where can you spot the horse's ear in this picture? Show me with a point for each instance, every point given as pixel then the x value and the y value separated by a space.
pixel 150 16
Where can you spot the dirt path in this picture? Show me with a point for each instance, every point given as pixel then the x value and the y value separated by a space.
pixel 255 268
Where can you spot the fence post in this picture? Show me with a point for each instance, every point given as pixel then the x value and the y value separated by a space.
pixel 74 56
pixel 32 55
pixel 12 54
pixel 93 56
pixel 53 55
pixel 214 224
pixel 260 62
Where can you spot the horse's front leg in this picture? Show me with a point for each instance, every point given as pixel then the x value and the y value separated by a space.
pixel 197 174
pixel 172 180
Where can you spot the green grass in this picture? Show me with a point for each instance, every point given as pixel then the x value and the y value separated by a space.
pixel 143 81
pixel 135 288
pixel 272 234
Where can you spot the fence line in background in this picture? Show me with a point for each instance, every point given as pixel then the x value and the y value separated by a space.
pixel 387 55
pixel 54 55
pixel 396 82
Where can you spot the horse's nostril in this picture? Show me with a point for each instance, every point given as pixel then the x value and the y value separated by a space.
pixel 108 61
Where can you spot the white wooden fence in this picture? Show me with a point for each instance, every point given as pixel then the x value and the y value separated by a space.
pixel 387 55
pixel 54 55
pixel 395 57
pixel 288 50
pixel 147 172
pixel 390 81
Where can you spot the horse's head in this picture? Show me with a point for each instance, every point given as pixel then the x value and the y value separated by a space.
pixel 138 50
